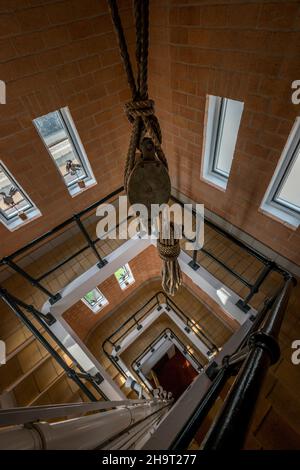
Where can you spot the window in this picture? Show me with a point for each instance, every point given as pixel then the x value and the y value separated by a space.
pixel 16 208
pixel 124 276
pixel 222 126
pixel 58 132
pixel 282 199
pixel 95 300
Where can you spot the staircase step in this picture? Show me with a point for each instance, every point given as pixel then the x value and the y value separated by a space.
pixel 287 404
pixel 275 433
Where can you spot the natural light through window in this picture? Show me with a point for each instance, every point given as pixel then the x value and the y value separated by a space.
pixel 16 207
pixel 288 193
pixel 222 126
pixel 282 199
pixel 95 300
pixel 124 276
pixel 62 141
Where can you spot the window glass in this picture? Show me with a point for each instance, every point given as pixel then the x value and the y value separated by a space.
pixel 124 276
pixel 15 206
pixel 58 133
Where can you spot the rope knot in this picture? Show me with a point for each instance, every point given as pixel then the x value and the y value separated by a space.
pixel 142 108
pixel 168 252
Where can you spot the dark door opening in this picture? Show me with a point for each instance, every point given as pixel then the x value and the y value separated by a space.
pixel 174 374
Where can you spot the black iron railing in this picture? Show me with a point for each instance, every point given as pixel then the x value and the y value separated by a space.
pixel 77 219
pixel 166 333
pixel 192 325
pixel 28 314
pixel 113 343
pixel 254 287
pixel 250 362
pixel 156 301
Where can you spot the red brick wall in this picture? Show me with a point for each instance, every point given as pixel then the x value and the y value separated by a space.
pixel 58 53
pixel 209 302
pixel 247 51
pixel 55 54
pixel 144 267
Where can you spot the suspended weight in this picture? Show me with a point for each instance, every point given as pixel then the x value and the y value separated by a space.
pixel 149 183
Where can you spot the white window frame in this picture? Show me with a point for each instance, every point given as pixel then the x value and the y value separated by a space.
pixel 128 282
pixel 31 211
pixel 74 138
pixel 216 115
pixel 283 212
pixel 99 305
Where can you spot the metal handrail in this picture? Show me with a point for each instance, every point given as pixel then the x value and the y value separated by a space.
pixel 162 334
pixel 169 302
pixel 19 307
pixel 251 362
pixel 24 415
pixel 110 425
pixel 62 225
pixel 229 236
pixel 199 333
pixel 77 218
pixel 133 317
pixel 269 265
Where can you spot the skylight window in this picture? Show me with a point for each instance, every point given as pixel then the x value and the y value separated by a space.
pixel 222 126
pixel 16 207
pixel 282 199
pixel 124 276
pixel 58 132
pixel 95 300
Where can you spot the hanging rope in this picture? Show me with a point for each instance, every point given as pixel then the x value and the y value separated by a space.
pixel 169 250
pixel 140 110
pixel 141 114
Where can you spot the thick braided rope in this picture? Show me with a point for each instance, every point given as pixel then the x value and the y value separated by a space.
pixel 168 250
pixel 140 111
pixel 141 115
pixel 123 46
pixel 137 4
pixel 145 47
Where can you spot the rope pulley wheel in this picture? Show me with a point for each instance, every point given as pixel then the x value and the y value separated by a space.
pixel 146 176
pixel 149 181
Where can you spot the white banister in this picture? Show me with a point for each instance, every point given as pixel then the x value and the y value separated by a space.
pixel 85 432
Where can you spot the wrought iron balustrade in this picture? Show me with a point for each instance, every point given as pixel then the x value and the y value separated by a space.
pixel 113 343
pixel 248 363
pixel 29 316
pixel 268 266
pixel 14 261
pixel 167 333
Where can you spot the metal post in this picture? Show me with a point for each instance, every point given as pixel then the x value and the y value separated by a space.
pixel 230 428
pixel 52 297
pixel 44 320
pixel 243 304
pixel 186 435
pixel 49 319
pixel 101 262
pixel 70 372
pixel 193 264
